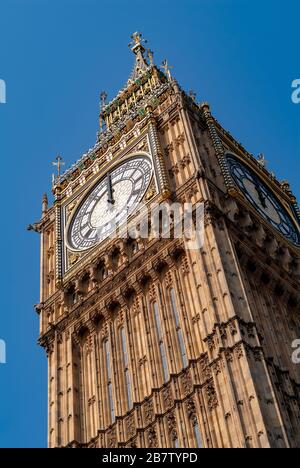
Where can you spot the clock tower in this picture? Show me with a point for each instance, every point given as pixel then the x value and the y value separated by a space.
pixel 150 343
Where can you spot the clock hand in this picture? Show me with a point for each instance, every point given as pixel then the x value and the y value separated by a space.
pixel 261 195
pixel 110 190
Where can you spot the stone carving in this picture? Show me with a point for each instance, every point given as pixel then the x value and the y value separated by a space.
pixel 232 327
pixel 205 369
pixel 112 438
pixel 239 351
pixel 187 383
pixel 152 292
pixel 223 332
pixel 216 367
pixel 152 438
pixel 191 411
pixel 88 346
pixel 172 426
pixel 185 266
pixel 49 347
pixel 105 330
pixel 92 401
pixel 73 258
pixel 228 355
pixel 168 398
pixel 174 170
pixel 130 427
pixel 148 411
pixel 211 343
pixel 121 318
pixel 258 354
pixel 251 330
pixel 196 318
pixel 59 338
pixel 185 161
pixel 169 279
pixel 212 399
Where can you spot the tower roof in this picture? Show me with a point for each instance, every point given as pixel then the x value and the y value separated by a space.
pixel 144 86
pixel 142 82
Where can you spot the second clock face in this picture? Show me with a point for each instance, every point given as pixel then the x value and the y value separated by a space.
pixel 110 203
pixel 263 199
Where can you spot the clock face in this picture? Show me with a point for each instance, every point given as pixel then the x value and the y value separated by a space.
pixel 263 199
pixel 110 203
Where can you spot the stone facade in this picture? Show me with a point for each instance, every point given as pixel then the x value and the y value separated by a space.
pixel 236 299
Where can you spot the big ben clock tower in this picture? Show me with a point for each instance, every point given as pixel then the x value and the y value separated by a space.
pixel 151 344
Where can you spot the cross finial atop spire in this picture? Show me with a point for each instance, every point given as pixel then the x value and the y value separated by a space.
pixel 141 64
pixel 167 69
pixel 103 97
pixel 59 163
pixel 137 43
pixel 44 204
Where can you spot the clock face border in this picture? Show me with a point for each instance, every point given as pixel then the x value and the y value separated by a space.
pixel 286 210
pixel 81 199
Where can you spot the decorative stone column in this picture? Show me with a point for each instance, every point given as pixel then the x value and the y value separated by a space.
pixel 158 157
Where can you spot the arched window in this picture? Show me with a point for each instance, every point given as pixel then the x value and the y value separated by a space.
pixel 109 381
pixel 101 271
pixel 179 330
pixel 116 258
pixel 71 296
pixel 198 435
pixel 85 283
pixel 162 348
pixel 176 443
pixel 126 368
pixel 133 247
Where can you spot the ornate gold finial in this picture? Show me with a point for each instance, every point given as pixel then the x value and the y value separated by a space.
pixel 44 204
pixel 193 95
pixel 141 64
pixel 59 163
pixel 103 97
pixel 167 69
pixel 262 160
pixel 151 57
pixel 137 42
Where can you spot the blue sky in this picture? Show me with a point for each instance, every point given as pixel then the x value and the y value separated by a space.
pixel 55 57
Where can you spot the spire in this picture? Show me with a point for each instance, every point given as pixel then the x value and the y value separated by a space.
pixel 145 83
pixel 167 69
pixel 141 63
pixel 44 204
pixel 103 97
pixel 59 164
